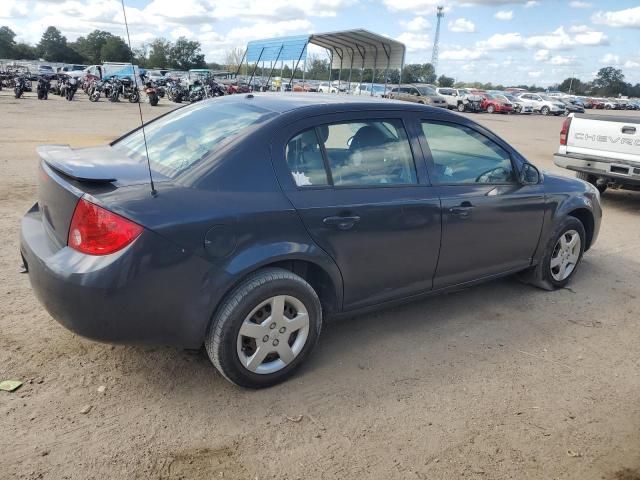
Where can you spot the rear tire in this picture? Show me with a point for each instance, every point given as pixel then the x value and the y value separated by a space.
pixel 491 109
pixel 461 107
pixel 548 274
pixel 544 111
pixel 250 308
pixel 592 179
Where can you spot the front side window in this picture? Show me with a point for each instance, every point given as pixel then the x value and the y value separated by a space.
pixel 463 156
pixel 357 153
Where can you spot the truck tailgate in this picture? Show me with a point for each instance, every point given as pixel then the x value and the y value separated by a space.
pixel 610 136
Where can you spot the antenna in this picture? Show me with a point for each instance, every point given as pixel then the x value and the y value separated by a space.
pixel 436 41
pixel 154 192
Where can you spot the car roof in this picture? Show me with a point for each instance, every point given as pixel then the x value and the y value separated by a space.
pixel 322 103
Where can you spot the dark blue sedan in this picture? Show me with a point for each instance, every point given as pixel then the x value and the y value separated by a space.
pixel 270 213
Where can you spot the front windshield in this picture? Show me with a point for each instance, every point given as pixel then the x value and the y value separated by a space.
pixel 426 91
pixel 177 141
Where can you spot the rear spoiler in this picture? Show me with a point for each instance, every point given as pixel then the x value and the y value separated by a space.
pixel 66 160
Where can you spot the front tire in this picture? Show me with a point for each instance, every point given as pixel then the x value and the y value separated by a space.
pixel 461 107
pixel 264 329
pixel 561 257
pixel 491 109
pixel 544 111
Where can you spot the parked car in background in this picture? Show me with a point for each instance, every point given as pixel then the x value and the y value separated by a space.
pixel 46 70
pixel 602 150
pixel 496 104
pixel 375 90
pixel 326 87
pixel 418 93
pixel 610 104
pixel 450 95
pixel 412 202
pixel 597 103
pixel 519 106
pixel 571 106
pixel 75 70
pixel 543 104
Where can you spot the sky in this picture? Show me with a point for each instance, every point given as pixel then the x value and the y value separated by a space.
pixel 509 42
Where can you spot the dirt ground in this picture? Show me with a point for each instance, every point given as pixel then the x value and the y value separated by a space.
pixel 500 381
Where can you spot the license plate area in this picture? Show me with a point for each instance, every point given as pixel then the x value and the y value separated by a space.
pixel 619 169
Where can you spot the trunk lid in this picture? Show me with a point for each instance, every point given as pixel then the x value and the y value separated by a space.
pixel 66 174
pixel 609 136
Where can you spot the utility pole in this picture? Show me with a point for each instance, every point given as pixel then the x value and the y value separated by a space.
pixel 436 41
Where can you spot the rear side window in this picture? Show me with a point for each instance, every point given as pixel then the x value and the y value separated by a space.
pixel 357 153
pixel 462 155
pixel 182 138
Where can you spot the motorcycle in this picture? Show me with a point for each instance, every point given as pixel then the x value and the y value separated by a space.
pixel 197 92
pixel 129 90
pixel 152 93
pixel 20 84
pixel 113 88
pixel 71 88
pixel 174 91
pixel 44 85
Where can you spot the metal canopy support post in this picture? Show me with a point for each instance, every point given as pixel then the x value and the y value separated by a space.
pixel 341 55
pixel 297 63
pixel 244 55
pixel 350 68
pixel 386 70
pixel 375 67
pixel 362 51
pixel 255 68
pixel 271 72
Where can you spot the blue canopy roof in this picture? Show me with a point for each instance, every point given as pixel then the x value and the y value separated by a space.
pixel 278 49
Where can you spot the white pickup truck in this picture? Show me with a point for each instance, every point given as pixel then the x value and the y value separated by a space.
pixel 602 149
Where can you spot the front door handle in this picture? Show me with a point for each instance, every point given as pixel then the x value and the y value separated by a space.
pixel 342 223
pixel 628 130
pixel 462 211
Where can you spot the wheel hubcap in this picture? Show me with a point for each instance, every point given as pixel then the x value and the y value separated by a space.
pixel 273 334
pixel 565 256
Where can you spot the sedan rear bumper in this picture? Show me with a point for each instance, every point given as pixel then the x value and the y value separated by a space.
pixel 149 292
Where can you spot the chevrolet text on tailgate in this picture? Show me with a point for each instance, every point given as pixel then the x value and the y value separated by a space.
pixel 603 150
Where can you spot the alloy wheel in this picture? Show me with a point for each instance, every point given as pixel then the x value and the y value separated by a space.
pixel 565 256
pixel 273 334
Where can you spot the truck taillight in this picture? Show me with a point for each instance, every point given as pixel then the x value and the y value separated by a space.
pixel 97 231
pixel 564 133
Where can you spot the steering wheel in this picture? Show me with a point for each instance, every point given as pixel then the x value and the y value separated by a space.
pixel 497 174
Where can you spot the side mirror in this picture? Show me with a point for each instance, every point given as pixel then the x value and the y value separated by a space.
pixel 529 175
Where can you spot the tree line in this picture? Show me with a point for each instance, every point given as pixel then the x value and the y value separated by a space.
pixel 101 46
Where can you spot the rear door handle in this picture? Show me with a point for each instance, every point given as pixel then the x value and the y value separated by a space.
pixel 342 223
pixel 628 130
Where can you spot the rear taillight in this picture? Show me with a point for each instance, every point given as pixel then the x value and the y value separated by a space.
pixel 97 231
pixel 565 130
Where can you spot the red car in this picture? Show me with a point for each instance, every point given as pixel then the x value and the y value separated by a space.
pixel 495 104
pixel 597 104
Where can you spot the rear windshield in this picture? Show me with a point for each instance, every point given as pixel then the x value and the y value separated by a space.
pixel 182 138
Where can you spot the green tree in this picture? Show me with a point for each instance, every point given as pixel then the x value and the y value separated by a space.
pixel 186 54
pixel 7 42
pixel 115 50
pixel 416 73
pixel 444 81
pixel 317 67
pixel 53 45
pixel 24 51
pixel 90 47
pixel 610 81
pixel 572 84
pixel 159 53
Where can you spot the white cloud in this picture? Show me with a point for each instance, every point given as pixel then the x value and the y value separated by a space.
pixel 504 15
pixel 611 59
pixel 591 38
pixel 556 40
pixel 542 55
pixel 415 42
pixel 466 54
pixel 417 24
pixel 535 74
pixel 631 64
pixel 462 25
pixel 560 60
pixel 578 4
pixel 629 17
pixel 579 28
pixel 531 3
pixel 502 41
